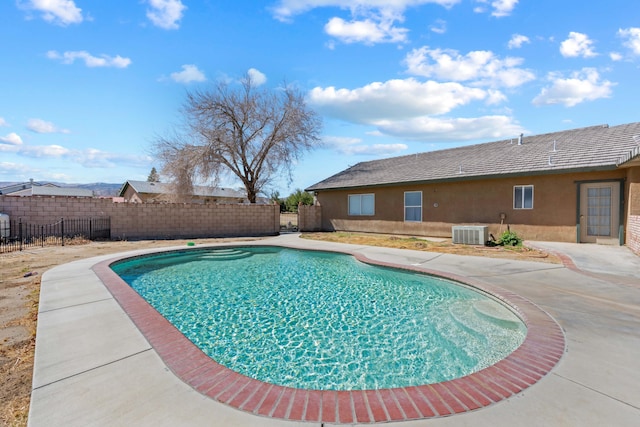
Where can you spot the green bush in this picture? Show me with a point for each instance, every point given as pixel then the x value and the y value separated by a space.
pixel 510 238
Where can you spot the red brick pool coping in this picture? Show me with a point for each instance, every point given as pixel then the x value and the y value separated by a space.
pixel 541 350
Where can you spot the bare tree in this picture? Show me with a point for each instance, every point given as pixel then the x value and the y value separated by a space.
pixel 240 130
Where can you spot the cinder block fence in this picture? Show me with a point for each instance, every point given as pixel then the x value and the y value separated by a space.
pixel 150 220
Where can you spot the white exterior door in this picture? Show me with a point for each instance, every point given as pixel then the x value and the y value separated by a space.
pixel 600 212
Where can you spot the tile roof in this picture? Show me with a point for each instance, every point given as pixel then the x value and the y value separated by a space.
pixel 590 148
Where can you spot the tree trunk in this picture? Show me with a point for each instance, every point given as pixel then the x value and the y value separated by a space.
pixel 251 194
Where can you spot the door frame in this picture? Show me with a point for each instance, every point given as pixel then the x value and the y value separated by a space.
pixel 621 212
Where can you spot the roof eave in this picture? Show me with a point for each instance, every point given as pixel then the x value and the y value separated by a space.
pixel 123 189
pixel 631 159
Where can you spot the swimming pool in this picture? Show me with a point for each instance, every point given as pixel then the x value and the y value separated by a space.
pixel 324 321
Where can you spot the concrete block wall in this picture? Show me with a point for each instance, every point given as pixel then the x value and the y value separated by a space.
pixel 310 218
pixel 633 213
pixel 633 233
pixel 149 220
pixel 45 209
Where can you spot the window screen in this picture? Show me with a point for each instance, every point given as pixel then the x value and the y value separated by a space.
pixel 523 197
pixel 413 206
pixel 361 204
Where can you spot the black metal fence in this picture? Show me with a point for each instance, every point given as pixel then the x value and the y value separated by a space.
pixel 18 235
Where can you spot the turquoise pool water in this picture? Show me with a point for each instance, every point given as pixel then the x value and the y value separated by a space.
pixel 326 321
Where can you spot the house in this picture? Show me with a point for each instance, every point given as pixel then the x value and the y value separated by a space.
pixel 157 192
pixel 33 188
pixel 580 185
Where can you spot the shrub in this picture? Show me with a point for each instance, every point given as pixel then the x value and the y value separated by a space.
pixel 510 238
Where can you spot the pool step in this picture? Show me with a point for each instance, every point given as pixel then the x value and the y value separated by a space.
pixel 467 319
pixel 497 314
pixel 474 316
pixel 226 255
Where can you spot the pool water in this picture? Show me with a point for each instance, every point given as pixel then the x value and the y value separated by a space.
pixel 319 320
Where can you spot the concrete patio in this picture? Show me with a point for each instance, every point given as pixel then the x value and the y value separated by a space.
pixel 94 367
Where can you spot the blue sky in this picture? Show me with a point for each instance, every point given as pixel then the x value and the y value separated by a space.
pixel 86 86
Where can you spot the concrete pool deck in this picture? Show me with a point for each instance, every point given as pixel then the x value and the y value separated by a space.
pixel 94 367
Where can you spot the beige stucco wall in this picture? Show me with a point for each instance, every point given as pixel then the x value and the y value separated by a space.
pixel 553 217
pixel 150 220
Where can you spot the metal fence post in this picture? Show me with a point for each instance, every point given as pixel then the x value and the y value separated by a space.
pixel 62 230
pixel 20 232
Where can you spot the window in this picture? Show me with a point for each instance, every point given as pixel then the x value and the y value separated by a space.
pixel 413 206
pixel 523 197
pixel 361 204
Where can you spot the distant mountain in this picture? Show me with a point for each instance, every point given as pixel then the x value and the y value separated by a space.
pixel 99 188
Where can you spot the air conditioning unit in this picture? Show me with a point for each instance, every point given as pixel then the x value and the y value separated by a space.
pixel 470 234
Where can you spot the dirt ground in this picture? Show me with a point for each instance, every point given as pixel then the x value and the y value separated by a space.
pixel 21 272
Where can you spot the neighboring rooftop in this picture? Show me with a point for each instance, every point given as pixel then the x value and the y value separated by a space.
pixel 20 187
pixel 60 191
pixel 146 187
pixel 584 149
pixel 33 188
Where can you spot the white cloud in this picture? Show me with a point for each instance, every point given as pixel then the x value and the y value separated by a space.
pixel 166 13
pixel 90 157
pixel 499 8
pixel 393 99
pixel 615 56
pixel 439 27
pixel 7 168
pixel 3 122
pixel 70 57
pixel 41 126
pixel 435 129
pixel 479 67
pixel 286 9
pixel 38 151
pixel 257 78
pixel 375 149
pixel 577 44
pixel 190 73
pixel 495 97
pixel 59 12
pixel 517 40
pixel 371 21
pixel 94 158
pixel 368 31
pixel 581 86
pixel 413 110
pixel 339 141
pixel 11 139
pixel 631 39
pixel 48 151
pixel 503 7
pixel 351 146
